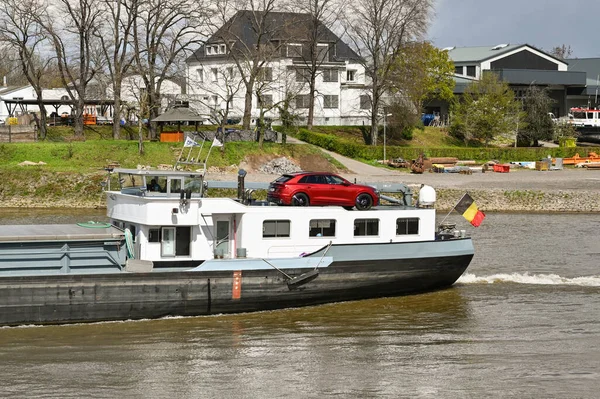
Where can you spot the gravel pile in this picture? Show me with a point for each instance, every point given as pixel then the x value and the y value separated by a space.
pixel 279 166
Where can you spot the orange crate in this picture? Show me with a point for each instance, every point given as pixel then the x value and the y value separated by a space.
pixel 502 168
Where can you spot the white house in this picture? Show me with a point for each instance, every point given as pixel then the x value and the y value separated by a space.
pixel 214 78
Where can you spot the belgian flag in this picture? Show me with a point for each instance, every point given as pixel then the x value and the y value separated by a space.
pixel 467 207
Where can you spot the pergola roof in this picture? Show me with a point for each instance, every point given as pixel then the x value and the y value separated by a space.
pixel 180 114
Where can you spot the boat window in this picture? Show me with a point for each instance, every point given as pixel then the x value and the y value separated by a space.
pixel 405 226
pixel 128 180
pixel 590 115
pixel 156 183
pixel 322 228
pixel 366 227
pixel 175 185
pixel 579 115
pixel 194 184
pixel 154 235
pixel 276 228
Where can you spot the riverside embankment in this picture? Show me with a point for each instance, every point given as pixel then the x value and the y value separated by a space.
pixel 568 190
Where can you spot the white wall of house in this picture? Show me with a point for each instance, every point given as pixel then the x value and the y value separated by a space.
pixel 339 88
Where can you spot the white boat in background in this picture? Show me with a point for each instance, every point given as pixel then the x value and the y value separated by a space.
pixel 170 250
pixel 584 117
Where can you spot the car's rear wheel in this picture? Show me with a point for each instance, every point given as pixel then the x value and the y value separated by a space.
pixel 300 199
pixel 364 202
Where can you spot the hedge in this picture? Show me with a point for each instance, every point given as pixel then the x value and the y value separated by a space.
pixel 503 154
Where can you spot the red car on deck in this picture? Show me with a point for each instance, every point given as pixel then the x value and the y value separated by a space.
pixel 321 188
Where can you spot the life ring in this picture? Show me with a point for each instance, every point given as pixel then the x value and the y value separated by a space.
pixel 129 244
pixel 94 225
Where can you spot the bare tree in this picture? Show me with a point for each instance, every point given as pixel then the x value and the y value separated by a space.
pixel 250 49
pixel 115 35
pixel 10 64
pixel 21 33
pixel 70 25
pixel 163 34
pixel 563 51
pixel 378 30
pixel 313 30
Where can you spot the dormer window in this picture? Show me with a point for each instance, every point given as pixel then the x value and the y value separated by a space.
pixel 215 49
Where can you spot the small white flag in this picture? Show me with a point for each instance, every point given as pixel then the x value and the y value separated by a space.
pixel 216 143
pixel 189 142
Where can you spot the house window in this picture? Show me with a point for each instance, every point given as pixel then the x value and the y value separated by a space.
pixel 265 100
pixel 265 74
pixel 366 227
pixel 302 101
pixel 322 228
pixel 222 49
pixel 365 101
pixel 276 228
pixel 458 70
pixel 200 73
pixel 215 100
pixel 330 101
pixel 230 72
pixel 302 75
pixel 215 74
pixel 471 71
pixel 322 52
pixel 294 50
pixel 350 75
pixel 330 75
pixel 405 226
pixel 208 50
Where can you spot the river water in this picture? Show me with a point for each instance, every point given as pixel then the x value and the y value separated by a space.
pixel 523 322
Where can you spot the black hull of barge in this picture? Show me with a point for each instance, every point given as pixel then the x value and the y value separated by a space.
pixel 124 296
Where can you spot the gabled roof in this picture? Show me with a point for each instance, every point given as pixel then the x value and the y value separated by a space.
pixel 280 27
pixel 482 53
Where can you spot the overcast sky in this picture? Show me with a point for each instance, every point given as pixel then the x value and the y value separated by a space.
pixel 541 23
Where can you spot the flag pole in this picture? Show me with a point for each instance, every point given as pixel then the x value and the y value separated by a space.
pixel 452 210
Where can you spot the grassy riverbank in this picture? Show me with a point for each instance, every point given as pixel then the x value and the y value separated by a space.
pixel 69 173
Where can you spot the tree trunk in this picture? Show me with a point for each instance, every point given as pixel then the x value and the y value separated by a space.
pixel 140 136
pixel 247 108
pixel 311 102
pixel 78 118
pixel 43 121
pixel 117 112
